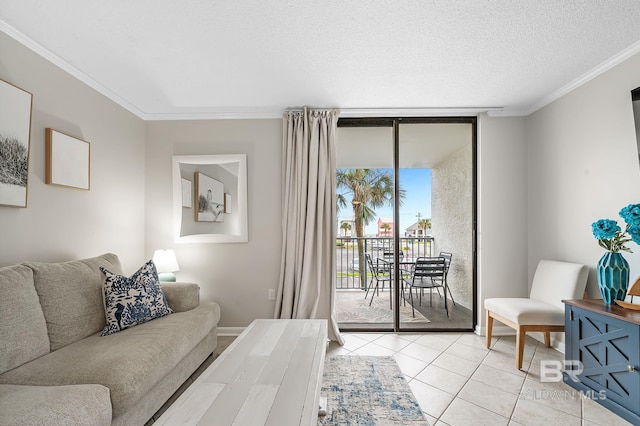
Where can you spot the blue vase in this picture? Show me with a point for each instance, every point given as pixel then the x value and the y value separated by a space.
pixel 613 277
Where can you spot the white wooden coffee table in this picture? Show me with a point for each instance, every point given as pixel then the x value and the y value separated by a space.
pixel 270 375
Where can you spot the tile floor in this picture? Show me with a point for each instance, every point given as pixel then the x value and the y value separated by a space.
pixel 458 381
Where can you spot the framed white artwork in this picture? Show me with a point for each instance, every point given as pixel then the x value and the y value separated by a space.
pixel 67 160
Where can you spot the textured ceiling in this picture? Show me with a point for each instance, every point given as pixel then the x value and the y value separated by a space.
pixel 203 58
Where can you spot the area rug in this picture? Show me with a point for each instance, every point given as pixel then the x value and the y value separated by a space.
pixel 367 390
pixel 353 308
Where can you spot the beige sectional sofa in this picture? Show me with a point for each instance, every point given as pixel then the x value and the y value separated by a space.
pixel 56 368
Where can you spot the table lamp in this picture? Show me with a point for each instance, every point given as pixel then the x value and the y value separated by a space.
pixel 166 264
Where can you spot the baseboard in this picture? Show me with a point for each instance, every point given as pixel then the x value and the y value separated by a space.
pixel 230 331
pixel 496 330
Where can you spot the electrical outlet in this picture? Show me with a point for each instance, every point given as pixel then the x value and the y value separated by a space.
pixel 272 294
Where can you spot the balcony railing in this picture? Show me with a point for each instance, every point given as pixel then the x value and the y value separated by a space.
pixel 348 265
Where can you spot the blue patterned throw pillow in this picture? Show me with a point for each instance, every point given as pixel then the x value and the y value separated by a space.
pixel 132 301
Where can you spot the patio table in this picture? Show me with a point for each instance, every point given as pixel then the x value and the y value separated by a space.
pixel 405 265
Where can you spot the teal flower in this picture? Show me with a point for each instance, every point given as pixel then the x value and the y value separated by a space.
pixel 611 237
pixel 605 228
pixel 631 214
pixel 634 233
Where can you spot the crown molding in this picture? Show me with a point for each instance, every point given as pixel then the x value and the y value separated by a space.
pixel 508 112
pixel 345 112
pixel 216 115
pixel 415 112
pixel 586 77
pixel 227 114
pixel 67 67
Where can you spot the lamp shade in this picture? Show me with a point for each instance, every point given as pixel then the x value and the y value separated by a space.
pixel 165 261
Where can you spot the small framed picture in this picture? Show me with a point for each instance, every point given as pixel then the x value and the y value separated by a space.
pixel 67 160
pixel 186 193
pixel 209 199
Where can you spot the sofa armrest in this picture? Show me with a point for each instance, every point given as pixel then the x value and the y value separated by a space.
pixel 55 405
pixel 181 296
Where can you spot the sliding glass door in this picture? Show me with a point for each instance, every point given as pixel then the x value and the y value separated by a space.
pixel 406 194
pixel 366 193
pixel 436 218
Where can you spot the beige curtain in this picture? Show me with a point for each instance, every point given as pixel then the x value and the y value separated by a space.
pixel 307 269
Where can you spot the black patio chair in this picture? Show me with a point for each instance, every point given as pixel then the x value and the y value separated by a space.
pixel 380 272
pixel 387 256
pixel 428 273
pixel 447 259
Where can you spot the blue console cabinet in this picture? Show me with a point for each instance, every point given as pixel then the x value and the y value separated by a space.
pixel 605 339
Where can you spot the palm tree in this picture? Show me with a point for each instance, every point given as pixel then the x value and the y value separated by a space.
pixel 369 189
pixel 424 224
pixel 386 228
pixel 345 226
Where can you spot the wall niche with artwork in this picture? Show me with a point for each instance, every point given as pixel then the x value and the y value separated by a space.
pixel 210 198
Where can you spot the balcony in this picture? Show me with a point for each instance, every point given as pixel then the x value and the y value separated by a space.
pixel 348 262
pixel 354 311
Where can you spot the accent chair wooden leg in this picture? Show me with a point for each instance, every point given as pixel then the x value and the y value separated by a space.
pixel 489 328
pixel 520 338
pixel 547 339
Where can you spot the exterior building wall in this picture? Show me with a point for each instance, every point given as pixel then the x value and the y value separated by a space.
pixel 451 221
pixel 384 232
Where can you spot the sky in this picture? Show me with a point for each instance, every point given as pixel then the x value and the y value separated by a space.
pixel 417 183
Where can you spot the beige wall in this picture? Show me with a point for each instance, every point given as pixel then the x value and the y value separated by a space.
pixel 62 223
pixel 238 275
pixel 543 179
pixel 583 166
pixel 502 210
pixel 130 194
pixel 452 220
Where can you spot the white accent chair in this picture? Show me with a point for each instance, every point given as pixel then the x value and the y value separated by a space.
pixel 543 310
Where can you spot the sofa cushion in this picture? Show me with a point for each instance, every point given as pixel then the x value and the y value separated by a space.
pixel 129 363
pixel 181 296
pixel 23 330
pixel 71 297
pixel 55 405
pixel 133 301
pixel 525 311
